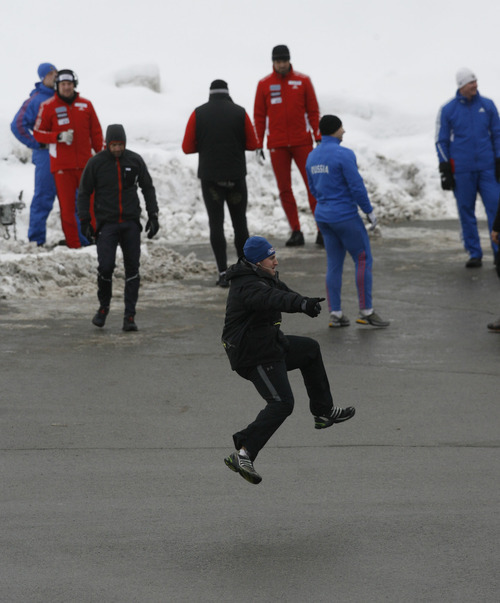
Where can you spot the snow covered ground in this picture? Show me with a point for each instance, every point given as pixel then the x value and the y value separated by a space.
pixel 384 67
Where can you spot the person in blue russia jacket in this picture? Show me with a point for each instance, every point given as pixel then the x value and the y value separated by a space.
pixel 339 189
pixel 468 148
pixel 22 128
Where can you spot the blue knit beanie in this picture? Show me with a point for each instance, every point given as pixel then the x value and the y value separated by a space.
pixel 45 68
pixel 257 249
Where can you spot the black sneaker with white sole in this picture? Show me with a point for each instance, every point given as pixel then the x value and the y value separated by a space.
pixel 244 466
pixel 338 415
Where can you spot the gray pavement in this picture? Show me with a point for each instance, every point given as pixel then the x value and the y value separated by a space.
pixel 113 482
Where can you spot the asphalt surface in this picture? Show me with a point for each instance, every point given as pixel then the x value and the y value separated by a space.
pixel 113 483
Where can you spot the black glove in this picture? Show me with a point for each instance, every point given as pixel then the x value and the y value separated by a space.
pixel 497 169
pixel 311 306
pixel 447 178
pixel 152 225
pixel 88 231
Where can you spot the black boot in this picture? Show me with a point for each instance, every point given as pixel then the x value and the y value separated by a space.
pixel 129 323
pixel 100 316
pixel 296 240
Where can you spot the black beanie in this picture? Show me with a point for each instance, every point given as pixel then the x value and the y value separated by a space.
pixel 219 87
pixel 329 124
pixel 281 53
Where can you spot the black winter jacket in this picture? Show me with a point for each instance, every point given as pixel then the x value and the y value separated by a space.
pixel 114 181
pixel 252 334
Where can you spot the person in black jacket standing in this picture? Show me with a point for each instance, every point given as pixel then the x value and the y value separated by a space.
pixel 220 131
pixel 260 352
pixel 113 175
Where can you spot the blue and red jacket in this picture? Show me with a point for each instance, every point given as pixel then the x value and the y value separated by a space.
pixel 24 121
pixel 468 133
pixel 335 182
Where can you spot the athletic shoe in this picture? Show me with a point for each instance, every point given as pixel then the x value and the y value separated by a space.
pixel 100 316
pixel 494 326
pixel 296 240
pixel 337 415
pixel 222 281
pixel 244 466
pixel 338 321
pixel 474 263
pixel 129 324
pixel 372 319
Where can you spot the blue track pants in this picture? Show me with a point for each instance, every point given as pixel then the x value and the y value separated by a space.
pixel 339 238
pixel 467 185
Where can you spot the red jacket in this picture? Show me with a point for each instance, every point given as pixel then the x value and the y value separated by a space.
pixel 290 106
pixel 55 116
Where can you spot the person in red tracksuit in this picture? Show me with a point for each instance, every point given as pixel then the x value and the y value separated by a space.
pixel 68 124
pixel 285 103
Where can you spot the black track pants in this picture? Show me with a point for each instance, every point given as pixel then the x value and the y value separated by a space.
pixel 271 381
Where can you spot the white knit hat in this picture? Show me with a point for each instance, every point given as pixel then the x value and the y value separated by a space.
pixel 465 76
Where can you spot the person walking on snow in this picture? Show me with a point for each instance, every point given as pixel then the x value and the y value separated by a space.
pixel 468 149
pixel 68 124
pixel 220 131
pixel 22 127
pixel 113 175
pixel 336 183
pixel 286 106
pixel 259 352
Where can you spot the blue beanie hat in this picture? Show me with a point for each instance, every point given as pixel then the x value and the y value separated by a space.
pixel 257 249
pixel 45 68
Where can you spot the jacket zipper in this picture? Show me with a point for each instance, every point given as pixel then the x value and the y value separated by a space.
pixel 120 207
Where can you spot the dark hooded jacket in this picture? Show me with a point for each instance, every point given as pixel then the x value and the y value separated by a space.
pixel 114 181
pixel 252 334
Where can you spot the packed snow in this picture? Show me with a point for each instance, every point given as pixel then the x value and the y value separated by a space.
pixel 383 67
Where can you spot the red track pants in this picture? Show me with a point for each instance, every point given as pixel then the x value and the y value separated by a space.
pixel 67 183
pixel 281 159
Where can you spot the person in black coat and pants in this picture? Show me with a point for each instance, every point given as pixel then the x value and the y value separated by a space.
pixel 113 175
pixel 260 352
pixel 220 131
